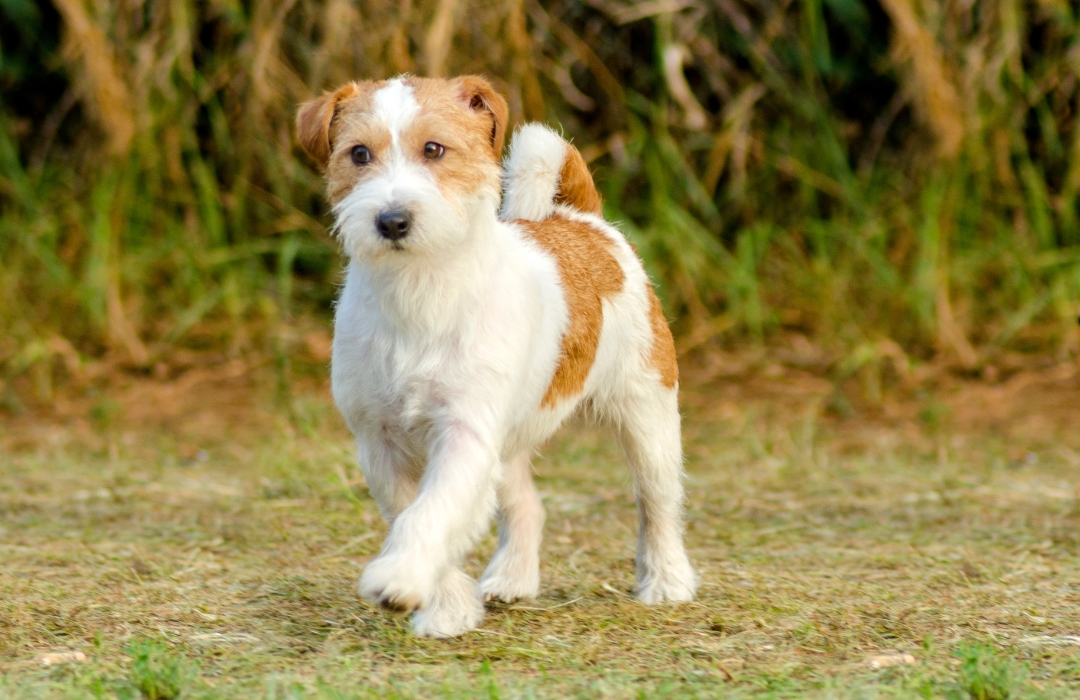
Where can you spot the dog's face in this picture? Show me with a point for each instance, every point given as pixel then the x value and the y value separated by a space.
pixel 408 162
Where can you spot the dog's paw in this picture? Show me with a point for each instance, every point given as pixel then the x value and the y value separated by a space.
pixel 509 579
pixel 674 583
pixel 397 583
pixel 455 610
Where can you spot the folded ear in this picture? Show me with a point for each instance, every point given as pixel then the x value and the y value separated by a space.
pixel 481 97
pixel 313 121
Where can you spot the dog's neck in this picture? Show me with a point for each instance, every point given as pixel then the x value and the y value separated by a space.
pixel 433 295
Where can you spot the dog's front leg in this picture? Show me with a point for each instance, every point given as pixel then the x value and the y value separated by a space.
pixel 418 566
pixel 390 477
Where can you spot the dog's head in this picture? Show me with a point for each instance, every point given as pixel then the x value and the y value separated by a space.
pixel 409 162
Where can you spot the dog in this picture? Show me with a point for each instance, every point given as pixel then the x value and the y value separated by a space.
pixel 464 336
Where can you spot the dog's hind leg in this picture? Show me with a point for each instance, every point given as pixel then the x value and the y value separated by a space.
pixel 647 418
pixel 514 571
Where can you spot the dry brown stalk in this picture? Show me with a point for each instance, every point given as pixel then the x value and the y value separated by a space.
pixel 532 98
pixel 584 52
pixel 675 57
pixel 733 139
pixel 106 93
pixel 269 26
pixel 438 39
pixel 121 330
pixel 949 331
pixel 627 13
pixel 935 93
pixel 401 59
pixel 339 22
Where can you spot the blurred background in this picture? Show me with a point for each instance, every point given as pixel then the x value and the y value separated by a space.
pixel 870 190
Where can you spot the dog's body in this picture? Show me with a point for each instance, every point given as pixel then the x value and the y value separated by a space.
pixel 463 340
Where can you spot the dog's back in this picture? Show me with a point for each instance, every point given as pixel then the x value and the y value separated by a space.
pixel 549 192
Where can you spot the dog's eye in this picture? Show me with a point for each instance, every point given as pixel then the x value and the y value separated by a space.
pixel 433 150
pixel 361 155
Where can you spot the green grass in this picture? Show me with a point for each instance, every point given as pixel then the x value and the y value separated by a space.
pixel 859 191
pixel 193 558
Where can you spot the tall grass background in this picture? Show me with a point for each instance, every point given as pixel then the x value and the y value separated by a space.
pixel 889 183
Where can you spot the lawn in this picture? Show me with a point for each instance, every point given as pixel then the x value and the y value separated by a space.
pixel 190 541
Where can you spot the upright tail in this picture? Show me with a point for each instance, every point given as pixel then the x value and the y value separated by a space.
pixel 543 170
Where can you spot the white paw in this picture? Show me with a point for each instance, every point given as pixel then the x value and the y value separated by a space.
pixel 674 583
pixel 397 582
pixel 509 578
pixel 455 610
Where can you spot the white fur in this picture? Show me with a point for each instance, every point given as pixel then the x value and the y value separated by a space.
pixel 443 350
pixel 531 173
pixel 396 106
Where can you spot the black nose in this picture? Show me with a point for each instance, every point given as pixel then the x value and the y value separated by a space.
pixel 393 225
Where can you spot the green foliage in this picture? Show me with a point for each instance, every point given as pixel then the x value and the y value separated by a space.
pixel 859 173
pixel 985 675
pixel 156 673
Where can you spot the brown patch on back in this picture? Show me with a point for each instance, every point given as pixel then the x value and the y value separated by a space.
pixel 590 273
pixel 662 354
pixel 576 186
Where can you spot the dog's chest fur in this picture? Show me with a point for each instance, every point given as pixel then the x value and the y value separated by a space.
pixel 394 382
pixel 390 381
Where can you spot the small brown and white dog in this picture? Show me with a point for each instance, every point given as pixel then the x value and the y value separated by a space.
pixel 464 337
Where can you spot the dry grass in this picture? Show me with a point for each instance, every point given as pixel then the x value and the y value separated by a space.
pixel 212 551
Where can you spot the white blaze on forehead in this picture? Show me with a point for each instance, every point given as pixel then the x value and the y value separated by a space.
pixel 395 106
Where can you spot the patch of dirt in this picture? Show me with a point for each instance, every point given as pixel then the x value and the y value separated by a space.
pixel 213 399
pixel 1041 401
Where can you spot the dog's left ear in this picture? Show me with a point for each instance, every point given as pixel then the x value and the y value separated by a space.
pixel 313 121
pixel 481 97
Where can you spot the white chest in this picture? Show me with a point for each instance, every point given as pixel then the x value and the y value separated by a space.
pixel 384 381
pixel 479 353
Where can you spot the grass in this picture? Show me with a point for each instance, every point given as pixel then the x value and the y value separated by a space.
pixel 849 206
pixel 190 554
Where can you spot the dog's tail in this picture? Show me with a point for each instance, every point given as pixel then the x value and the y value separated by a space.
pixel 543 170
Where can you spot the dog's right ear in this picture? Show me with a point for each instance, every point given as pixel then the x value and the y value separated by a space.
pixel 313 121
pixel 481 97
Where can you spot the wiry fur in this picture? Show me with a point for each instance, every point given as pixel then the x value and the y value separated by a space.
pixel 531 173
pixel 448 340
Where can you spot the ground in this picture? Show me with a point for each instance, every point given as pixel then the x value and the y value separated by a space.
pixel 192 541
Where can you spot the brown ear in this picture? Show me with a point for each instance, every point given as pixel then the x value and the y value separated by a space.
pixel 481 97
pixel 313 122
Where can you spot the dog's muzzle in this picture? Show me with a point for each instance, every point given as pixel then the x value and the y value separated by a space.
pixel 393 225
